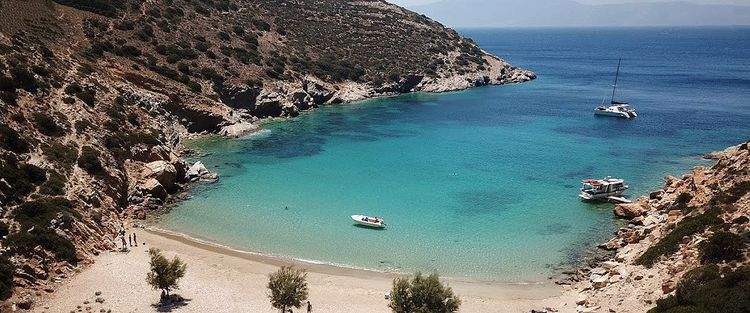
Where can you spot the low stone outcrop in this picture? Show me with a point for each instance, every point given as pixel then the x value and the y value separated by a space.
pixel 239 129
pixel 629 287
pixel 632 210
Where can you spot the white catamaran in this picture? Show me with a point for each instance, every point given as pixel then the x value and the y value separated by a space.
pixel 616 108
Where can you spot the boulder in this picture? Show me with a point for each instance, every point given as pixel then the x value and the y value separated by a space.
pixel 196 171
pixel 302 100
pixel 159 153
pixel 609 265
pixel 165 173
pixel 631 210
pixel 317 92
pixel 581 300
pixel 651 220
pixel 154 188
pixel 598 271
pixel 239 129
pixel 180 167
pixel 25 304
pixel 599 281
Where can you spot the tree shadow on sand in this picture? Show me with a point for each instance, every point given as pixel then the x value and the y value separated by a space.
pixel 170 303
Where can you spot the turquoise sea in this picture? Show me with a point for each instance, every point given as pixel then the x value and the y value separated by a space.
pixel 480 184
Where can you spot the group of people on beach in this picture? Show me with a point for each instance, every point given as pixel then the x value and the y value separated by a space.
pixel 131 238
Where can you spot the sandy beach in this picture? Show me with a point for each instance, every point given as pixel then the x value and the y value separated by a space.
pixel 225 280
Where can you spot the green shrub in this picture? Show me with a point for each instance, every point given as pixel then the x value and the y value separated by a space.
pixel 83 125
pixel 262 25
pixel 422 294
pixel 705 290
pixel 55 185
pixel 741 220
pixel 733 194
pixel 60 154
pixel 6 277
pixel 23 242
pixel 722 246
pixel 22 178
pixel 4 229
pixel 10 140
pixel 202 46
pixel 47 125
pixel 682 200
pixel 24 79
pixel 39 213
pixel 88 160
pixel 670 243
pixel 195 87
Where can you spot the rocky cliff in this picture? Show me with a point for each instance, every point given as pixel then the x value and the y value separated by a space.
pixel 684 249
pixel 96 96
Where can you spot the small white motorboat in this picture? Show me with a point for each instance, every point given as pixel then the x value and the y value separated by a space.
pixel 369 221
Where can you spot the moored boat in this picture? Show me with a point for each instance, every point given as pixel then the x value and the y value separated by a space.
pixel 619 110
pixel 369 221
pixel 616 108
pixel 603 189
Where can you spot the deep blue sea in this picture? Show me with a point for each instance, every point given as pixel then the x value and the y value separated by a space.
pixel 480 184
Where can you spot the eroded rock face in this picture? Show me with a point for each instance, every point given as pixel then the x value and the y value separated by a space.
pixel 164 172
pixel 240 97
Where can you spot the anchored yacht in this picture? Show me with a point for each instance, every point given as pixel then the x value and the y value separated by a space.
pixel 616 108
pixel 603 189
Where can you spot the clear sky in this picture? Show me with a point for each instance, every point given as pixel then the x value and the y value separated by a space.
pixel 742 2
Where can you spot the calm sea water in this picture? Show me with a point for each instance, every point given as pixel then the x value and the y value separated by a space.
pixel 480 183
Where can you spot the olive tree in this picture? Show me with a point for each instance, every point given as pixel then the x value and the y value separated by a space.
pixel 164 274
pixel 422 295
pixel 288 287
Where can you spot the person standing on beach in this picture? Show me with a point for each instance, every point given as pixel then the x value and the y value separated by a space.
pixel 124 244
pixel 309 307
pixel 135 240
pixel 130 240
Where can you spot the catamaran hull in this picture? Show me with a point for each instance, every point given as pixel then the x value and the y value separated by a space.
pixel 599 196
pixel 615 114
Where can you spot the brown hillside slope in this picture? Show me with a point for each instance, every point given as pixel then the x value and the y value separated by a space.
pixel 95 96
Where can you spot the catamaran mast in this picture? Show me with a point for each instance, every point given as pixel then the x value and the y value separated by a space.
pixel 614 87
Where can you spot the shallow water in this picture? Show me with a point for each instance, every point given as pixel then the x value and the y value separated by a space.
pixel 480 183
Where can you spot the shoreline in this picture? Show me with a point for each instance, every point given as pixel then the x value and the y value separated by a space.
pixel 321 267
pixel 223 280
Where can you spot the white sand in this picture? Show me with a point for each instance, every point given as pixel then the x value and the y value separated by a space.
pixel 223 280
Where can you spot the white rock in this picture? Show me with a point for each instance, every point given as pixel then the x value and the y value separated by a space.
pixel 608 265
pixel 196 170
pixel 239 129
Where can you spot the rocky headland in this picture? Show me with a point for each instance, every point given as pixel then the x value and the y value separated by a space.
pixel 684 249
pixel 96 98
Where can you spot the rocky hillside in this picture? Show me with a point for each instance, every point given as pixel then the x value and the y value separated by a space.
pixel 685 248
pixel 96 96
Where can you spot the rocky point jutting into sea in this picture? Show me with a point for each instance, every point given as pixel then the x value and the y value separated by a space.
pixel 684 247
pixel 98 95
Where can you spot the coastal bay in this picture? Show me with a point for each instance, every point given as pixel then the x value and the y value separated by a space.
pixel 479 184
